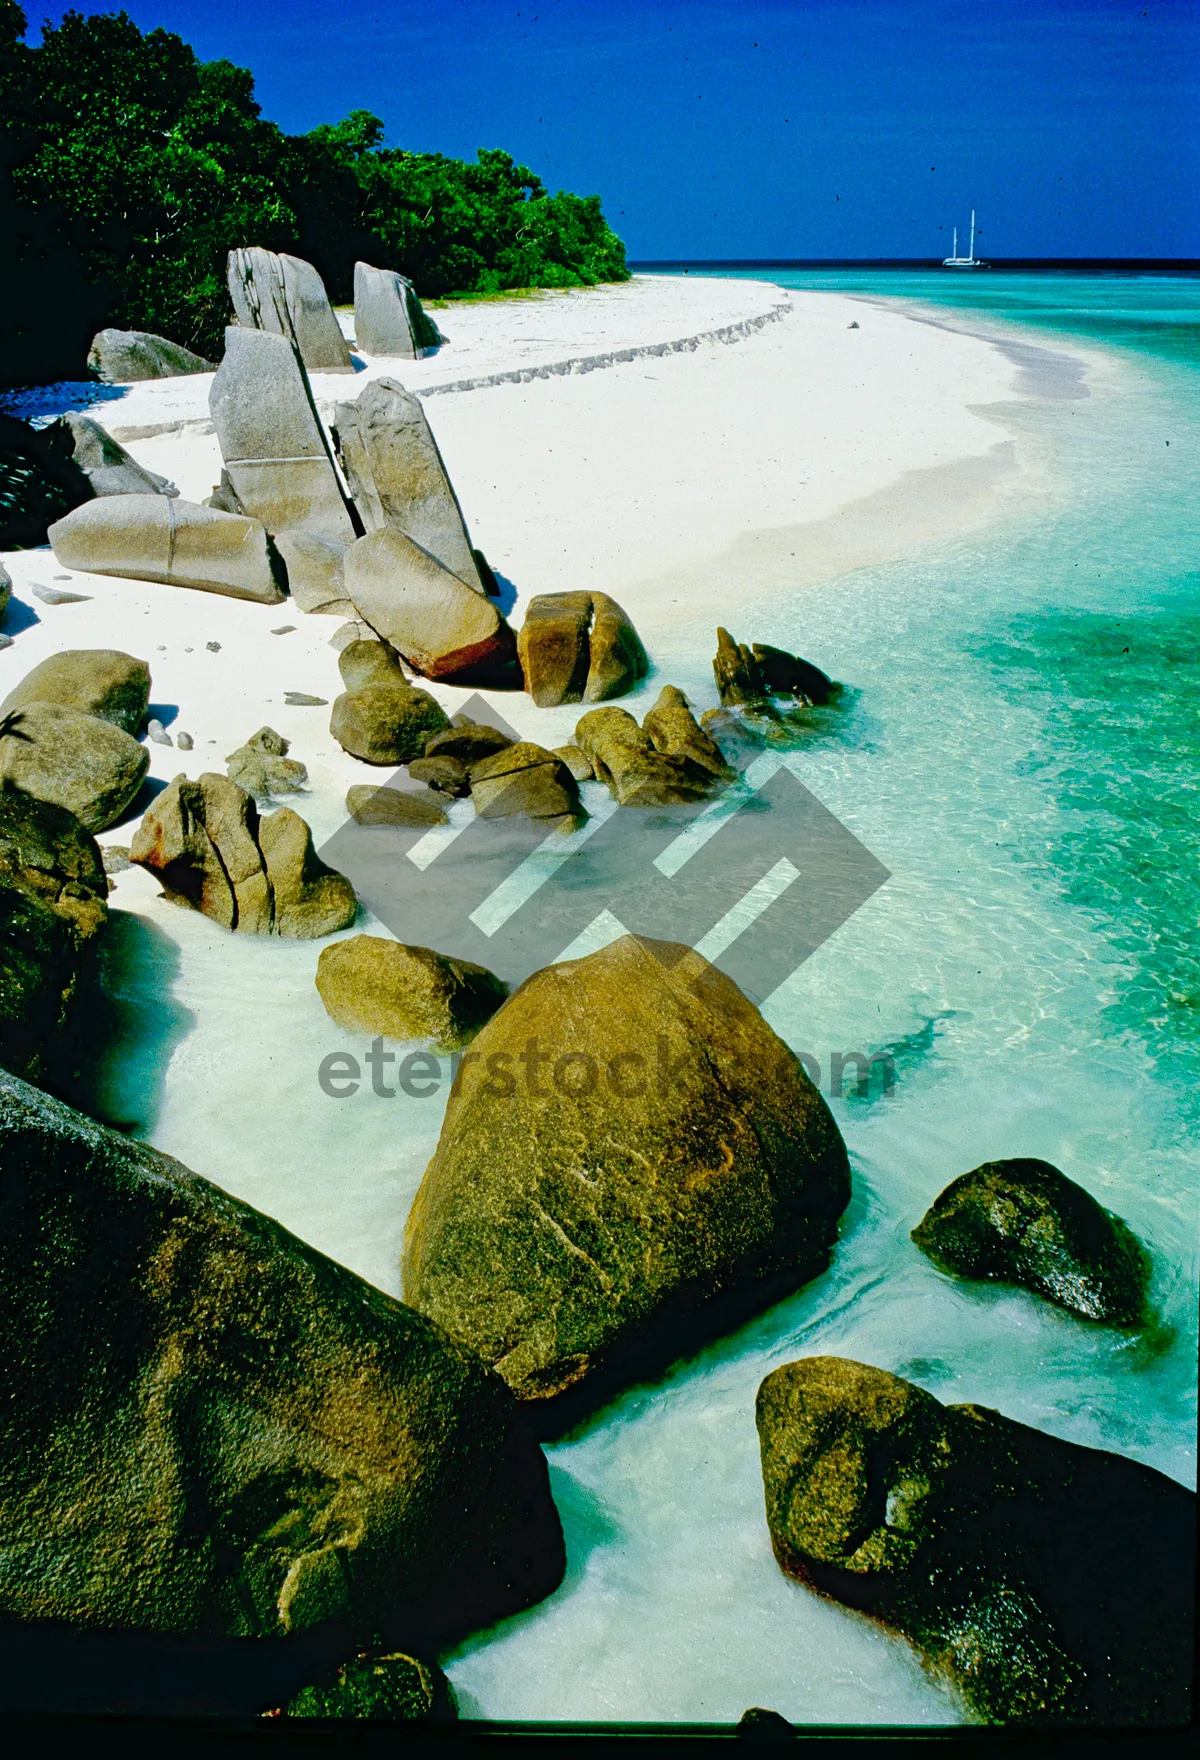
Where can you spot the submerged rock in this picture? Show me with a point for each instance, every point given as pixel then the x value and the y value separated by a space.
pixel 211 1428
pixel 1049 1583
pixel 445 775
pixel 210 850
pixel 285 297
pixel 73 760
pixel 164 538
pixel 395 1688
pixel 371 985
pixel 123 357
pixel 752 675
pixel 389 319
pixel 398 477
pixel 369 805
pixel 1022 1221
pixel 100 681
pixel 263 768
pixel 637 774
pixel 443 628
pixel 579 647
pixel 630 1160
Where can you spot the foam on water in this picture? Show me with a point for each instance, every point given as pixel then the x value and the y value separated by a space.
pixel 1018 746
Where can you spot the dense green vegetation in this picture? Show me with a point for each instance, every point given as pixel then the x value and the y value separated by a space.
pixel 128 169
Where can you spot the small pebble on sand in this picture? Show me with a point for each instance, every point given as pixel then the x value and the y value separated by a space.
pixel 302 700
pixel 185 742
pixel 157 732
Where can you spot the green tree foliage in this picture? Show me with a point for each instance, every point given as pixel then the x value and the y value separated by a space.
pixel 128 170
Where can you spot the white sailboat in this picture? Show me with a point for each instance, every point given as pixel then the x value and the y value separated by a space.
pixel 970 261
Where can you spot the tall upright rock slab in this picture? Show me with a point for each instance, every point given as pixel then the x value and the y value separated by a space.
pixel 206 1426
pixel 278 466
pixel 389 319
pixel 285 296
pixel 398 478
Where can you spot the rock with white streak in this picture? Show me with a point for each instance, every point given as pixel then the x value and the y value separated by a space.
pixel 164 538
pixel 277 464
pixel 285 296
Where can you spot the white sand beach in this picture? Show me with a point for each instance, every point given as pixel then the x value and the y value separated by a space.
pixel 683 482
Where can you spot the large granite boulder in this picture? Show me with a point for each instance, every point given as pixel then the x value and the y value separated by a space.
pixel 578 647
pixel 630 1160
pixel 1022 1221
pixel 443 628
pixel 525 779
pixel 371 985
pixel 73 760
pixel 211 1428
pixel 122 357
pixel 285 296
pixel 164 538
pixel 396 474
pixel 5 589
pixel 53 902
pixel 100 681
pixel 389 319
pixel 107 466
pixel 277 464
pixel 39 480
pixel 637 774
pixel 1048 1583
pixel 46 853
pixel 385 723
pixel 210 850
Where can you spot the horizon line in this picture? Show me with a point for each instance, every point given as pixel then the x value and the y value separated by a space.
pixel 1177 264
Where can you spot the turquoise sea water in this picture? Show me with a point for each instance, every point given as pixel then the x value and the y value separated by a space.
pixel 1020 747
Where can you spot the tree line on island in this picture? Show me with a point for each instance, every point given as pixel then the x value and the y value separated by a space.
pixel 129 168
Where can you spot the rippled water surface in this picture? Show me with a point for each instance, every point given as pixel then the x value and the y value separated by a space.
pixel 1019 747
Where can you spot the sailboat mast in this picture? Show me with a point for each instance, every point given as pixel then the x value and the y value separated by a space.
pixel 954 248
pixel 971 252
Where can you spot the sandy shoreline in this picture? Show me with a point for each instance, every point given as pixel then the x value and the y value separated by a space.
pixel 684 484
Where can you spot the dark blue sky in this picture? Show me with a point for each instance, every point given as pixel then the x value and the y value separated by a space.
pixel 805 128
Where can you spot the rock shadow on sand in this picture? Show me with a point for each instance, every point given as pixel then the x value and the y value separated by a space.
pixel 131 1023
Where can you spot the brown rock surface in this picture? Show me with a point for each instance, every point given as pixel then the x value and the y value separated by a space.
pixel 630 1159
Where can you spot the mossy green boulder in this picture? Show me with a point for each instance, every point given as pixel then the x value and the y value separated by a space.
pixel 371 985
pixel 99 681
pixel 1046 1582
pixel 207 1426
pixel 1022 1221
pixel 392 1688
pixel 630 1160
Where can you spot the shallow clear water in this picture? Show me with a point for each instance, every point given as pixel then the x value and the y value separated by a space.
pixel 1020 749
